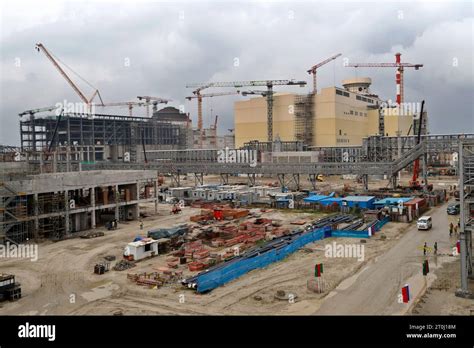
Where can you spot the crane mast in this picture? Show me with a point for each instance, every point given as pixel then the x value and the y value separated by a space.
pixel 399 73
pixel 267 83
pixel 197 95
pixel 314 68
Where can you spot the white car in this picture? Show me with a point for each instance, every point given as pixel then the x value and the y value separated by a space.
pixel 424 223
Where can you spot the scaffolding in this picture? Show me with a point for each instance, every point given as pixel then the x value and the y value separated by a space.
pixel 52 226
pixel 466 195
pixel 303 110
pixel 14 226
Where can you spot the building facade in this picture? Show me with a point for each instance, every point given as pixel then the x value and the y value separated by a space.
pixel 333 117
pixel 102 137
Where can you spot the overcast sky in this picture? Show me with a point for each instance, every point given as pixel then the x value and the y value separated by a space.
pixel 126 49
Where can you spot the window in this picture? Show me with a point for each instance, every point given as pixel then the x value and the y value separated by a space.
pixel 352 112
pixel 340 132
pixel 338 92
pixel 357 113
pixel 346 94
pixel 147 247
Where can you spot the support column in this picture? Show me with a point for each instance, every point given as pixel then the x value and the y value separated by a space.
pixel 251 179
pixel 225 179
pixel 393 181
pixel 55 161
pixel 296 179
pixel 117 210
pixel 155 185
pixel 465 238
pixel 281 179
pixel 92 196
pixel 138 201
pixel 36 212
pixel 66 205
pixel 365 181
pixel 312 180
pixel 425 171
pixel 198 179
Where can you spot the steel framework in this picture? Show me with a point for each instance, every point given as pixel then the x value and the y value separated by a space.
pixel 466 195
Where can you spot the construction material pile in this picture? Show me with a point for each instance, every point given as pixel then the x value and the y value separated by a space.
pixel 155 279
pixel 219 213
pixel 123 265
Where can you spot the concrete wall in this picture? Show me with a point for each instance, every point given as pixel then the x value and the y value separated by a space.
pixel 251 119
pixel 339 120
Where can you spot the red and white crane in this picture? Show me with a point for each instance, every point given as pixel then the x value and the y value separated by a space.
pixel 399 74
pixel 313 69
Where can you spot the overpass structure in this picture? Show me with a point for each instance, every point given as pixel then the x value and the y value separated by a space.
pixel 383 156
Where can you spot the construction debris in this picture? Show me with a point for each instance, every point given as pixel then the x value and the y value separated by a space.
pixel 93 234
pixel 123 265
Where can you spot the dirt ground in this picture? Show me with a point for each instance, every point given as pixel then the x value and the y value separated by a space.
pixel 62 281
pixel 439 298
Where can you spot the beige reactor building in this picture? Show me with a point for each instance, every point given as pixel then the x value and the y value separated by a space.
pixel 333 117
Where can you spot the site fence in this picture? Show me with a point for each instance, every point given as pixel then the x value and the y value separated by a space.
pixel 215 278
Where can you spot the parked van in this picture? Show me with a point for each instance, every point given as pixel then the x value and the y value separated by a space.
pixel 424 223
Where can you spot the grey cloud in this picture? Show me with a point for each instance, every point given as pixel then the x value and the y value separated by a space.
pixel 271 40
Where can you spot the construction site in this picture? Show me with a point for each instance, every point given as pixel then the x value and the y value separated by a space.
pixel 311 204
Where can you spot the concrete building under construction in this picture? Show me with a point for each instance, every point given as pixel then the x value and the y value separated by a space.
pixel 107 137
pixel 57 205
pixel 333 117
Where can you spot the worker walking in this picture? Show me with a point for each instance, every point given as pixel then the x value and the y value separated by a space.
pixel 436 248
pixel 451 229
pixel 141 224
pixel 424 249
pixel 455 230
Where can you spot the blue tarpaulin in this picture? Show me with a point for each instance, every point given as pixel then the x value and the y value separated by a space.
pixel 210 280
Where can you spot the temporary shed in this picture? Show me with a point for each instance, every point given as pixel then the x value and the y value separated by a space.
pixel 331 201
pixel 141 249
pixel 315 198
pixel 363 202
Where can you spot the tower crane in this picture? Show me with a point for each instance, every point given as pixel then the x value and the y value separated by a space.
pixel 255 83
pixel 313 69
pixel 88 101
pixel 399 74
pixel 154 101
pixel 199 96
pixel 34 111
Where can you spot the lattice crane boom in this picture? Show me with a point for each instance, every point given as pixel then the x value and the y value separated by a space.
pixel 40 48
pixel 399 74
pixel 266 83
pixel 314 68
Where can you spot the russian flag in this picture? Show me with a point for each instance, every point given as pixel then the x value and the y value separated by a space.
pixel 406 293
